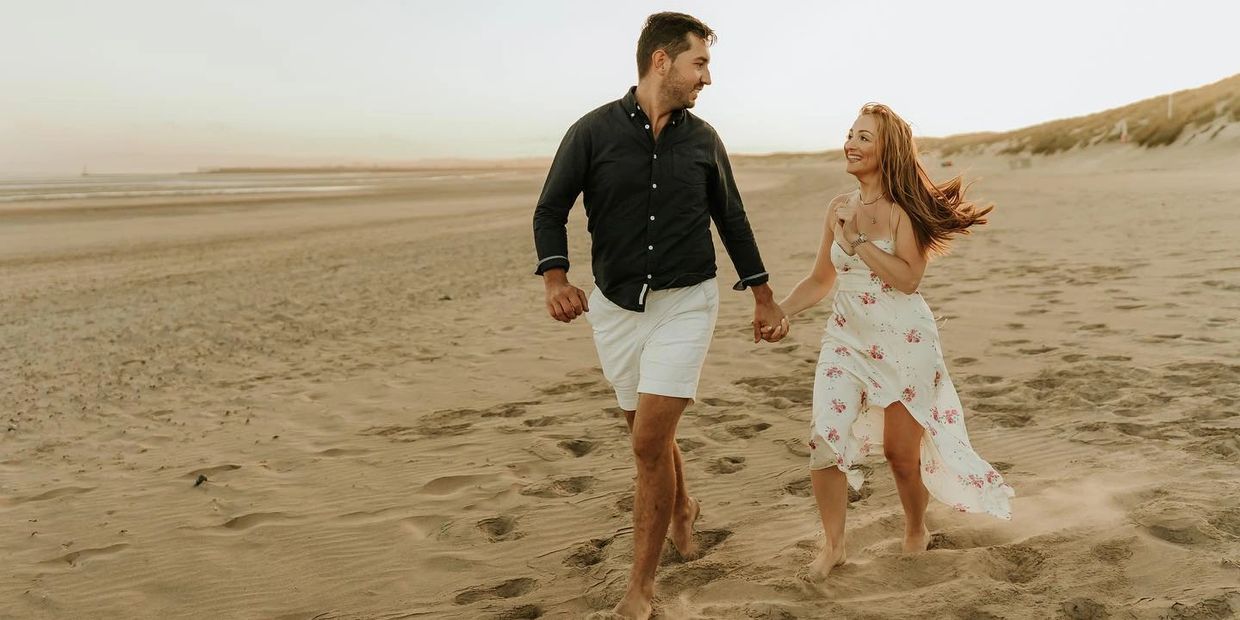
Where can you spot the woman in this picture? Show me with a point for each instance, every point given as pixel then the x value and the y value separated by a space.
pixel 881 381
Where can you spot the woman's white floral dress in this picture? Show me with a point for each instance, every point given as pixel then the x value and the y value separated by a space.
pixel 882 346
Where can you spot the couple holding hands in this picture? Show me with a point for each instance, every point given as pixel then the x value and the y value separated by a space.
pixel 654 176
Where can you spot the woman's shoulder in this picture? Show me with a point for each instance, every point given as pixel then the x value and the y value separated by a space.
pixel 843 199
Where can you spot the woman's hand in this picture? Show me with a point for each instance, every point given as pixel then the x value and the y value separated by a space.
pixel 846 212
pixel 845 226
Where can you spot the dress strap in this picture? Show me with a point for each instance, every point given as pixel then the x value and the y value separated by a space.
pixel 895 222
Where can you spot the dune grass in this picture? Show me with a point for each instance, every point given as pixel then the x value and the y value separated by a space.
pixel 1148 124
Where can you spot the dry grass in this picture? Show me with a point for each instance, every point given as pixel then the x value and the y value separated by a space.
pixel 1148 124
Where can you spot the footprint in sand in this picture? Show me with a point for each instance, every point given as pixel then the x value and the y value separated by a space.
pixel 801 487
pixel 689 444
pixel 588 553
pixel 507 589
pixel 1037 350
pixel 691 576
pixel 1014 563
pixel 1175 522
pixel 521 612
pixel 748 431
pixel 541 422
pixel 578 447
pixel 1115 550
pixel 625 503
pixel 726 465
pixel 706 541
pixel 499 528
pixel 560 487
pixel 1083 609
pixel 796 447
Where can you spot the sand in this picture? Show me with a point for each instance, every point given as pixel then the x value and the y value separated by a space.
pixel 382 422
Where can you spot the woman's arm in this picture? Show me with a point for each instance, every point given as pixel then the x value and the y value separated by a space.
pixel 813 287
pixel 902 270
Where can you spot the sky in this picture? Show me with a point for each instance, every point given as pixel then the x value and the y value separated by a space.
pixel 129 85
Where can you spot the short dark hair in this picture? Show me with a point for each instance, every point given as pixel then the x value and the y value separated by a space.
pixel 667 32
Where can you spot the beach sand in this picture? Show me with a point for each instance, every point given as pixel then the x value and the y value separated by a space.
pixel 383 422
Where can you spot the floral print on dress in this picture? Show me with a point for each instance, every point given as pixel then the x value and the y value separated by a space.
pixel 898 359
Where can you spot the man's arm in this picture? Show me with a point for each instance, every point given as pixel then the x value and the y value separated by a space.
pixel 728 212
pixel 565 182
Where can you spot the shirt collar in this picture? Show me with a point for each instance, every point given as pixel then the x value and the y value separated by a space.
pixel 630 105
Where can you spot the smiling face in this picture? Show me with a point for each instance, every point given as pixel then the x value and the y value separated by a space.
pixel 687 74
pixel 861 149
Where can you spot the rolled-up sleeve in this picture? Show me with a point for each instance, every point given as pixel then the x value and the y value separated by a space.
pixel 565 182
pixel 728 213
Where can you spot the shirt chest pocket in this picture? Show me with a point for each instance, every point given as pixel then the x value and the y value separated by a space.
pixel 690 165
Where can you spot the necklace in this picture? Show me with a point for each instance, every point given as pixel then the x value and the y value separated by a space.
pixel 873 220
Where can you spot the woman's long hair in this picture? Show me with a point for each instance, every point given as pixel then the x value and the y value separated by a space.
pixel 938 211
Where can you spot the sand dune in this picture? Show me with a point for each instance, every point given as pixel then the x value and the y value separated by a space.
pixel 382 422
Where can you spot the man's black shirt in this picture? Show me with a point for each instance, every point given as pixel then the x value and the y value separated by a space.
pixel 648 204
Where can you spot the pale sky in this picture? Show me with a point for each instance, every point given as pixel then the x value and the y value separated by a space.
pixel 172 85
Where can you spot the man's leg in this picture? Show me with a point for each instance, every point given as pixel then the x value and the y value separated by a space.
pixel 654 449
pixel 685 510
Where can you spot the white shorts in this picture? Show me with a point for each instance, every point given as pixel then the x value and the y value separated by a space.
pixel 659 351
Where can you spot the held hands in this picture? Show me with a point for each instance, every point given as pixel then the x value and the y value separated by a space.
pixel 565 302
pixel 769 322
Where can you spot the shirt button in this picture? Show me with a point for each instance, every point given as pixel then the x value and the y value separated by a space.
pixel 631 114
pixel 648 276
pixel 654 186
pixel 656 155
pixel 647 126
pixel 652 218
pixel 650 247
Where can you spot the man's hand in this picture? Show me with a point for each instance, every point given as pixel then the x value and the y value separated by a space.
pixel 769 322
pixel 565 302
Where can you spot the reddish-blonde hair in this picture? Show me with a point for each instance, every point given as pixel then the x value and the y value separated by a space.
pixel 939 212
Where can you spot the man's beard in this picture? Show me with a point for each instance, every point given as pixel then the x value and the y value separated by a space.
pixel 679 91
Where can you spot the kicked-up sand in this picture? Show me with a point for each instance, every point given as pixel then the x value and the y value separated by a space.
pixel 306 402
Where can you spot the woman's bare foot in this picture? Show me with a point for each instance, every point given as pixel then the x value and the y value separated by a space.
pixel 828 558
pixel 681 530
pixel 918 541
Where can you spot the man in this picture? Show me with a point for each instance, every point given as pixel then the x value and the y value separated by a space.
pixel 654 176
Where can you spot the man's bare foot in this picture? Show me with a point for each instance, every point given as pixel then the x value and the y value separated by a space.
pixel 828 558
pixel 634 606
pixel 914 543
pixel 681 530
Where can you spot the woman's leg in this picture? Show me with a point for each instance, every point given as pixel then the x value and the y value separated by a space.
pixel 831 494
pixel 902 447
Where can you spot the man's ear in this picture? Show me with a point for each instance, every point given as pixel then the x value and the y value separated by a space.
pixel 660 61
